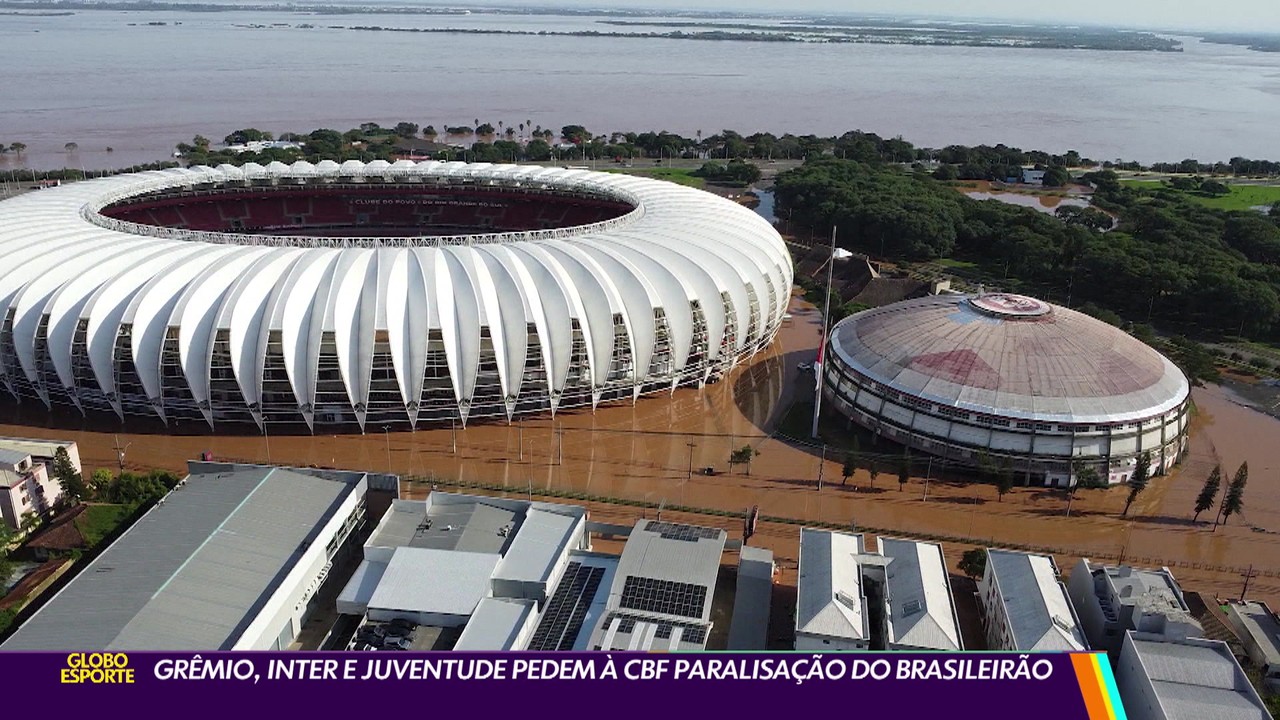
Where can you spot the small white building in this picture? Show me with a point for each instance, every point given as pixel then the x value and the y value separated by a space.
pixel 1259 632
pixel 1031 176
pixel 831 609
pixel 853 598
pixel 1192 679
pixel 27 484
pixel 1110 600
pixel 1025 607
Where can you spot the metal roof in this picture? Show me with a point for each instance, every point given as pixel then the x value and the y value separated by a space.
pixel 542 538
pixel 1261 624
pixel 449 582
pixel 192 573
pixel 12 457
pixel 469 526
pixel 63 263
pixel 1197 679
pixel 830 601
pixel 649 554
pixel 1035 603
pixel 1053 365
pixel 34 447
pixel 753 596
pixel 355 595
pixel 495 625
pixel 920 610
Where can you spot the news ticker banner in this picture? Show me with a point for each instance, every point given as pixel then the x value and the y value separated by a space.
pixel 1050 686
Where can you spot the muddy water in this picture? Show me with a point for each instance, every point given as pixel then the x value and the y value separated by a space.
pixel 646 451
pixel 1043 203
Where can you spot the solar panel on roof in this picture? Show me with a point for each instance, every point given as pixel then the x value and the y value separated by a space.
pixel 663 596
pixel 690 632
pixel 567 609
pixel 686 533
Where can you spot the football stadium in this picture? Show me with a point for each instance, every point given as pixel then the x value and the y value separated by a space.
pixel 342 295
pixel 1009 380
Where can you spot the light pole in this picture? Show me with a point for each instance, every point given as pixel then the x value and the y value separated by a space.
pixel 690 475
pixel 386 432
pixel 821 464
pixel 120 452
pixel 927 473
pixel 453 434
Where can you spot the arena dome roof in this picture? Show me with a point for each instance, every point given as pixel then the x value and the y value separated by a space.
pixel 1010 356
pixel 680 286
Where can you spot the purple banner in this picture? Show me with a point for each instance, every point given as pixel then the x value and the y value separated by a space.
pixel 909 685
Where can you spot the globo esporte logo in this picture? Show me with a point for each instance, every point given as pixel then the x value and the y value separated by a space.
pixel 97 669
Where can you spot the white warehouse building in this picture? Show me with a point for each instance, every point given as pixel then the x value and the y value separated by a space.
pixel 1023 382
pixel 339 295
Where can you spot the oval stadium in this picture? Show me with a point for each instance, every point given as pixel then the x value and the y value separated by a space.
pixel 341 295
pixel 1030 385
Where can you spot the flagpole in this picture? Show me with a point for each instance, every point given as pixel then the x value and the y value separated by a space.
pixel 822 341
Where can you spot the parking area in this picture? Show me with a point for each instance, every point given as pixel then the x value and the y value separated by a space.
pixel 401 634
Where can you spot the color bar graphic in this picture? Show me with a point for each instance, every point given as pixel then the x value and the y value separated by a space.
pixel 1098 686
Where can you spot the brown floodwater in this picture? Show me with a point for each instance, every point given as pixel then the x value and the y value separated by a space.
pixel 645 451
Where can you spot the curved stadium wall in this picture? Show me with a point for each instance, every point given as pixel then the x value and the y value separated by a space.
pixel 396 294
pixel 1028 384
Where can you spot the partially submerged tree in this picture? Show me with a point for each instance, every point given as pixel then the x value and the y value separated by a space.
pixel 1233 503
pixel 1138 480
pixel 974 563
pixel 1208 496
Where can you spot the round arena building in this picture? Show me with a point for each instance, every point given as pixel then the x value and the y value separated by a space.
pixel 1030 385
pixel 340 295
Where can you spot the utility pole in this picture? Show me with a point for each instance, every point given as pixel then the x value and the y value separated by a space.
pixel 520 430
pixel 560 445
pixel 822 340
pixel 453 434
pixel 822 463
pixel 1247 575
pixel 927 474
pixel 690 475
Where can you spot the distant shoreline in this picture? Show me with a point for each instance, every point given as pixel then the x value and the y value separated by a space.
pixel 732 27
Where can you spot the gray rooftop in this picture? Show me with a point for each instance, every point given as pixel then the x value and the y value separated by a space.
pixel 1035 602
pixel 540 541
pixel 830 600
pixel 11 457
pixel 34 446
pixel 466 526
pixel 920 611
pixel 1261 625
pixel 495 625
pixel 193 572
pixel 749 629
pixel 1058 366
pixel 1148 589
pixel 429 580
pixel 669 551
pixel 1198 679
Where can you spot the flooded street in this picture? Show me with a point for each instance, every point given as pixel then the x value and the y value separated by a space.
pixel 652 452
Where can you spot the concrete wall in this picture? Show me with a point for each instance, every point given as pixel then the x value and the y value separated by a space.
pixel 999 635
pixel 1093 621
pixel 1136 691
pixel 288 606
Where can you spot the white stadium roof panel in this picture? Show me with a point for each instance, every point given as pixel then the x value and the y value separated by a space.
pixel 248 319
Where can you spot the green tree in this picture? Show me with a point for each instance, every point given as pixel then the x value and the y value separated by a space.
pixel 850 464
pixel 1214 188
pixel 406 129
pixel 974 563
pixel 743 456
pixel 1056 177
pixel 429 132
pixel 1138 480
pixel 1233 503
pixel 484 129
pixel 946 173
pixel 69 479
pixel 537 150
pixel 29 523
pixel 71 147
pixel 1004 479
pixel 1085 476
pixel 247 135
pixel 18 148
pixel 100 483
pixel 904 469
pixel 1208 496
pixel 575 134
pixel 874 470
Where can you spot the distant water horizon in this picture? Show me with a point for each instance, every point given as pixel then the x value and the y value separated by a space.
pixel 104 79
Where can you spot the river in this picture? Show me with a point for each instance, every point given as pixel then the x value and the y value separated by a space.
pixel 106 79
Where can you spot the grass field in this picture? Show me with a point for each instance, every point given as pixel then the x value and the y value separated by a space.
pixel 1242 197
pixel 99 521
pixel 679 176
